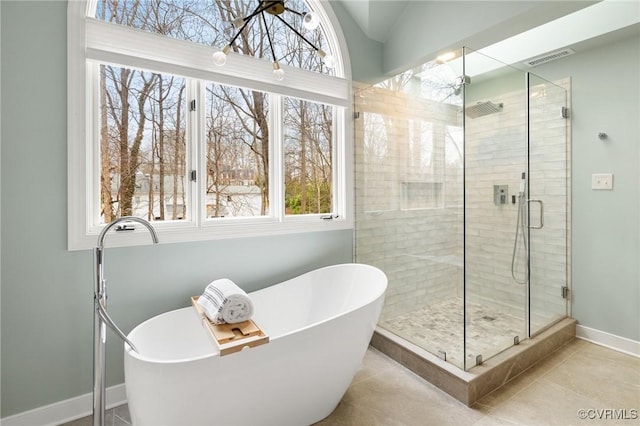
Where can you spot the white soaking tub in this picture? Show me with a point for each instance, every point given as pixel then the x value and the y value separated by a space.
pixel 319 325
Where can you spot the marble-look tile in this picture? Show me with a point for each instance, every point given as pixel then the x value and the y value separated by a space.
pixel 374 362
pixel 400 395
pixel 493 421
pixel 118 421
pixel 434 374
pixel 427 369
pixel 121 416
pixel 543 403
pixel 118 416
pixel 597 351
pixel 585 371
pixel 348 414
pixel 527 377
pixel 85 421
pixel 510 364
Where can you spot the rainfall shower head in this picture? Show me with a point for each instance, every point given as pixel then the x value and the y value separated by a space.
pixel 482 108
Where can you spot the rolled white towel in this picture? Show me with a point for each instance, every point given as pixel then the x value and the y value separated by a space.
pixel 225 303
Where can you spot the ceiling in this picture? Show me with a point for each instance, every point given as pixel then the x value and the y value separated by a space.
pixel 575 24
pixel 376 18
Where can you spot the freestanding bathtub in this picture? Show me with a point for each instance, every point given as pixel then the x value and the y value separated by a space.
pixel 319 325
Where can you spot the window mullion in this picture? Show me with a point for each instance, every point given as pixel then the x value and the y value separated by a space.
pixel 93 146
pixel 276 156
pixel 337 182
pixel 344 187
pixel 194 137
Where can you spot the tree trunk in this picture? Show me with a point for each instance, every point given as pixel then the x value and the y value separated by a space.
pixel 150 214
pixel 161 157
pixel 126 185
pixel 105 157
pixel 303 159
pixel 178 160
pixel 129 157
pixel 263 149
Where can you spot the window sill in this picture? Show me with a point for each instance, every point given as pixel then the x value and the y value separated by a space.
pixel 182 232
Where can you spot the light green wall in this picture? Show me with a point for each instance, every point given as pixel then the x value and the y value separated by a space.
pixel 47 298
pixel 365 54
pixel 606 224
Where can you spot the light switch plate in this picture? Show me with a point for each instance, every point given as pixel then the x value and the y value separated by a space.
pixel 602 181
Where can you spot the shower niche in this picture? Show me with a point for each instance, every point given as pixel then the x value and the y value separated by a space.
pixel 421 195
pixel 457 165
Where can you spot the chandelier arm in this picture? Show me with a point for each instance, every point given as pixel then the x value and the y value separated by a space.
pixel 293 11
pixel 259 9
pixel 298 33
pixel 266 29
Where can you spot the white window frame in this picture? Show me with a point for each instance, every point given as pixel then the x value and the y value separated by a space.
pixel 91 41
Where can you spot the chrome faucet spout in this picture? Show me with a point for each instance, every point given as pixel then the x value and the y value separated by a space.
pixel 102 320
pixel 118 221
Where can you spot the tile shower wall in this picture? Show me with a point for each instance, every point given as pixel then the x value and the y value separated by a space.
pixel 496 154
pixel 408 169
pixel 409 214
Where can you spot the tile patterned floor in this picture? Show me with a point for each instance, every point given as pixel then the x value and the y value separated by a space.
pixel 118 416
pixel 439 327
pixel 578 376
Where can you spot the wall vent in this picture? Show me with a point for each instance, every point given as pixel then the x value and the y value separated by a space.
pixel 533 62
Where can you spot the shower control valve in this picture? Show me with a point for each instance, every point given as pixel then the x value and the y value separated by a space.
pixel 500 194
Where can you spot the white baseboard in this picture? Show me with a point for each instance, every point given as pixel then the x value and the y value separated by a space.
pixel 602 338
pixel 65 411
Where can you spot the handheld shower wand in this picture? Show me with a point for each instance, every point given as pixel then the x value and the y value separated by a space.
pixel 521 229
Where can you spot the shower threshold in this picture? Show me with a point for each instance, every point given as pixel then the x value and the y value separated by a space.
pixel 469 386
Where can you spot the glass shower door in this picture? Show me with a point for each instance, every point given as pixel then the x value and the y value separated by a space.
pixel 495 157
pixel 547 202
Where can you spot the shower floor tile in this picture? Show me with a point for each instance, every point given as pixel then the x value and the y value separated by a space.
pixel 439 328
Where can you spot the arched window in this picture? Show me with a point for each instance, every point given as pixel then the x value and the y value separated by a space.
pixel 157 130
pixel 275 36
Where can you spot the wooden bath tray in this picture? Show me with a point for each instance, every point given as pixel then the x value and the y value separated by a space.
pixel 232 338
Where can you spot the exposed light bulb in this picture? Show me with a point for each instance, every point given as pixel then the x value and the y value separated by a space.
pixel 328 60
pixel 238 23
pixel 310 20
pixel 278 73
pixel 220 57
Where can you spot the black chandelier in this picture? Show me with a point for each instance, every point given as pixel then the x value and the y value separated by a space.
pixel 276 8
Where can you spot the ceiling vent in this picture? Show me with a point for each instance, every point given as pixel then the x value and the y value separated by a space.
pixel 534 62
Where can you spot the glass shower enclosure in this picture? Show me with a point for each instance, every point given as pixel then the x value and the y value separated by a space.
pixel 461 172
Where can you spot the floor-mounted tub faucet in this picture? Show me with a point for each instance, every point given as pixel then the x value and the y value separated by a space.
pixel 101 319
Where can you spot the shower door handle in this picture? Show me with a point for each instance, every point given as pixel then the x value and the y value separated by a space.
pixel 541 214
